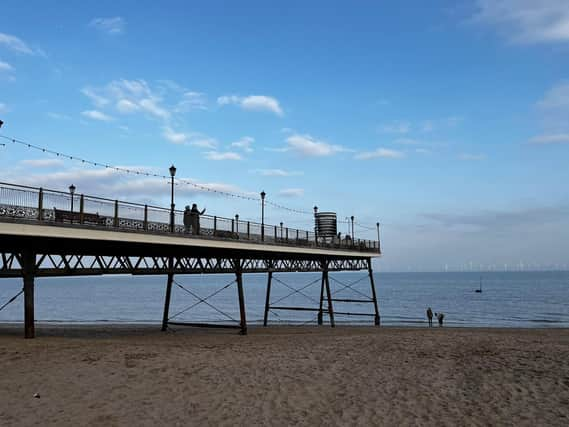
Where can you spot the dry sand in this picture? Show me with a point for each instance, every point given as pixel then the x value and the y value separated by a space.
pixel 284 376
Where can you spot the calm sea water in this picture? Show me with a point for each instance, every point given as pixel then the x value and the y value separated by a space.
pixel 525 299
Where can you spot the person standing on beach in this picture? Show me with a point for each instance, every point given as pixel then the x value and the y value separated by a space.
pixel 440 317
pixel 430 317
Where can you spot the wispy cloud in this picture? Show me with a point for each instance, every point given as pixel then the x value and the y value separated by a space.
pixel 306 145
pixel 244 144
pixel 554 110
pixel 42 163
pixel 385 153
pixel 560 138
pixel 526 21
pixel 3 108
pixel 97 115
pixel 18 45
pixel 400 127
pixel 57 116
pixel 253 103
pixel 174 137
pixel 227 155
pixel 194 139
pixel 113 26
pixel 276 172
pixel 5 67
pixel 471 157
pixel 291 192
pixel 555 98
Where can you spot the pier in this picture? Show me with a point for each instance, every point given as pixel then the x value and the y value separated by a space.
pixel 47 233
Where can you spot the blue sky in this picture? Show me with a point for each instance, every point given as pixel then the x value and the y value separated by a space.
pixel 446 121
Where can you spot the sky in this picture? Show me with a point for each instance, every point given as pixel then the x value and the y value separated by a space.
pixel 445 121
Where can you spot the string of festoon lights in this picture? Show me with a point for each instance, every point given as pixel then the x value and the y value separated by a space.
pixel 129 171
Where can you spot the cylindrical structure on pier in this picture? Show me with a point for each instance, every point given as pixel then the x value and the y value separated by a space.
pixel 325 224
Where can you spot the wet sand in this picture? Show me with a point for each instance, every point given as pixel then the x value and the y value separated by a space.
pixel 128 375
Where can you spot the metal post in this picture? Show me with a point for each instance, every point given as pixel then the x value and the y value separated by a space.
pixel 329 294
pixel 321 299
pixel 214 225
pixel 378 239
pixel 275 227
pixel 28 269
pixel 237 224
pixel 168 293
pixel 377 318
pixel 287 234
pixel 145 224
pixel 353 235
pixel 267 300
pixel 248 230
pixel 239 275
pixel 263 194
pixel 40 205
pixel 172 205
pixel 315 225
pixel 81 209
pixel 116 218
pixel 281 231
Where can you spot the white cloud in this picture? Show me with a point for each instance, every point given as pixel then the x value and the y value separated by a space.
pixel 380 153
pixel 253 103
pixel 98 100
pixel 174 137
pixel 42 163
pixel 527 21
pixel 309 146
pixel 470 156
pixel 292 192
pixel 3 108
pixel 244 143
pixel 97 115
pixel 112 26
pixel 125 106
pixel 556 97
pixel 407 141
pixel 202 141
pixel 276 172
pixel 192 101
pixel 16 44
pixel 560 138
pixel 5 67
pixel 150 106
pixel 228 155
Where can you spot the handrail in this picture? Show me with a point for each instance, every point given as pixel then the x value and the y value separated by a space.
pixel 39 204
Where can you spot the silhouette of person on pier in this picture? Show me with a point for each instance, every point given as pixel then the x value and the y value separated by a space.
pixel 187 219
pixel 430 317
pixel 195 218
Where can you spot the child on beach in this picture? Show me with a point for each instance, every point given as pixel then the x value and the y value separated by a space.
pixel 440 317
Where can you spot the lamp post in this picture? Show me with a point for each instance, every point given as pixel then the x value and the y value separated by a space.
pixel 172 205
pixel 378 241
pixel 263 194
pixel 281 230
pixel 353 236
pixel 315 225
pixel 72 192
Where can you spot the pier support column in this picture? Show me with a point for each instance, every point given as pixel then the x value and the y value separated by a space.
pixel 328 293
pixel 29 270
pixel 239 275
pixel 168 294
pixel 377 317
pixel 267 300
pixel 321 299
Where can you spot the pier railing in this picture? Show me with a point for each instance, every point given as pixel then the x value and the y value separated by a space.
pixel 19 202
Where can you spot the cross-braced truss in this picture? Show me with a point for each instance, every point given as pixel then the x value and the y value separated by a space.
pixel 83 265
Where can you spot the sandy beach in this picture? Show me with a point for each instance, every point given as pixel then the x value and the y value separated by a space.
pixel 127 375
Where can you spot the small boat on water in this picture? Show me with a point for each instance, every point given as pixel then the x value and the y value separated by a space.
pixel 479 290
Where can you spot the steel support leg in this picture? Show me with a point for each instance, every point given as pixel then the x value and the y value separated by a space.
pixel 29 268
pixel 267 301
pixel 321 299
pixel 329 295
pixel 377 317
pixel 168 295
pixel 239 275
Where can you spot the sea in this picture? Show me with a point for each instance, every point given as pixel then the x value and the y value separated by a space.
pixel 508 299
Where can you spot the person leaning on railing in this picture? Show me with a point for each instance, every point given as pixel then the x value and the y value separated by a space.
pixel 195 218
